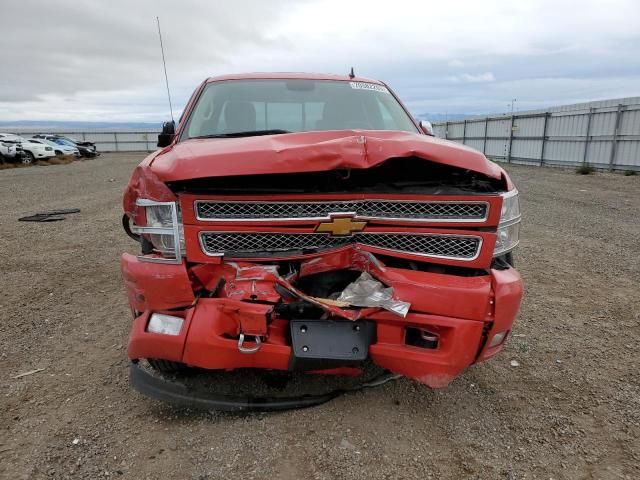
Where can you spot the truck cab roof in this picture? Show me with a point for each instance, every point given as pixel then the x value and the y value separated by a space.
pixel 290 76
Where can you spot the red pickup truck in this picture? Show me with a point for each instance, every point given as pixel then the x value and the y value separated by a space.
pixel 308 223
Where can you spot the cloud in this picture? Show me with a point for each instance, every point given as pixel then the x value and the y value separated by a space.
pixel 66 47
pixel 96 60
pixel 471 78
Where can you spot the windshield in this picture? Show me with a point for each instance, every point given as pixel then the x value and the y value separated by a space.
pixel 282 106
pixel 47 142
pixel 13 138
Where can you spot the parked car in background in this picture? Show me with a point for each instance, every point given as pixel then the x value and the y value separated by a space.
pixel 11 152
pixel 82 143
pixel 32 151
pixel 86 149
pixel 57 149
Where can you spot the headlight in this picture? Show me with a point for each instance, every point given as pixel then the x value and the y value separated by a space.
pixel 159 215
pixel 509 229
pixel 163 229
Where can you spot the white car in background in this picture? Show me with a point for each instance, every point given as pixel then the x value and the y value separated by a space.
pixel 11 152
pixel 32 151
pixel 57 149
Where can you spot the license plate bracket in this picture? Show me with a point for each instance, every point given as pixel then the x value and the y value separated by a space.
pixel 340 340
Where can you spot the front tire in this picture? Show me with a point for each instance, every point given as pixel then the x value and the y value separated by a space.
pixel 28 158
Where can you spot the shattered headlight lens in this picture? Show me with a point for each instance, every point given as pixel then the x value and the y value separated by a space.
pixel 163 227
pixel 159 215
pixel 508 232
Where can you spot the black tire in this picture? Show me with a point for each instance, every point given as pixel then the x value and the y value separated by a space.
pixel 166 366
pixel 509 257
pixel 57 152
pixel 28 158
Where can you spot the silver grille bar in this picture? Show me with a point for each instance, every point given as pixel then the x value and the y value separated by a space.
pixel 256 244
pixel 415 210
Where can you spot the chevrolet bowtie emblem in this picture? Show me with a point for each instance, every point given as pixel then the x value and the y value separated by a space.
pixel 341 226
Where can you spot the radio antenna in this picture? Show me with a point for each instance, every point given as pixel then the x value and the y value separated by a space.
pixel 164 64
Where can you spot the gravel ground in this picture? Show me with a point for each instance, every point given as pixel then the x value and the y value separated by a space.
pixel 571 409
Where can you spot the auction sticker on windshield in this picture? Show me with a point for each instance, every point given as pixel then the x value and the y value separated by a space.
pixel 368 86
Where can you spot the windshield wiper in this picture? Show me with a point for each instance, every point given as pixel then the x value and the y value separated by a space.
pixel 250 133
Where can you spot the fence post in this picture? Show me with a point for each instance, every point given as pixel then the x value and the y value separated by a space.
pixel 544 136
pixel 510 139
pixel 115 139
pixel 586 140
pixel 464 131
pixel 446 130
pixel 614 144
pixel 484 142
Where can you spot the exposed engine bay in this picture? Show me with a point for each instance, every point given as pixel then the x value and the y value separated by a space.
pixel 395 175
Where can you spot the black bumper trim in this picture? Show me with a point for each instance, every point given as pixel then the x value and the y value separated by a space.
pixel 177 393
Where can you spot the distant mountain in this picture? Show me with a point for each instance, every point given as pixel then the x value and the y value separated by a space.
pixel 55 126
pixel 442 117
pixel 77 126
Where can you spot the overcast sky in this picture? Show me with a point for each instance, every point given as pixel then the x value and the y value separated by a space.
pixel 100 60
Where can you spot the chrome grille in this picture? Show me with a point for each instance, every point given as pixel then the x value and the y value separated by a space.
pixel 446 246
pixel 381 209
pixel 460 247
pixel 215 243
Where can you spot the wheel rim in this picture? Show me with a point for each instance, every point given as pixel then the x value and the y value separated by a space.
pixel 27 158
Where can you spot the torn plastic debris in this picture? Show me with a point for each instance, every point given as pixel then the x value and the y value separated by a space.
pixel 49 215
pixel 366 291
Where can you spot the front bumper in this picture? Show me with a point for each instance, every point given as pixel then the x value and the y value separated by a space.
pixel 464 312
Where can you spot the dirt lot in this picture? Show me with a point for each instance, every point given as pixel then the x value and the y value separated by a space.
pixel 57 160
pixel 571 409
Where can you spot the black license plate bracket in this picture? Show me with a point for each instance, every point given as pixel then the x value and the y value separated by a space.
pixel 340 340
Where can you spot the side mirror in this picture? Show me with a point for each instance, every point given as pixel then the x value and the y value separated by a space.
pixel 168 132
pixel 427 128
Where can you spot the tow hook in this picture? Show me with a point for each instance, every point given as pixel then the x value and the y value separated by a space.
pixel 243 349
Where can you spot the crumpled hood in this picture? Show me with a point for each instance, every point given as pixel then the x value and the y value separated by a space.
pixel 309 152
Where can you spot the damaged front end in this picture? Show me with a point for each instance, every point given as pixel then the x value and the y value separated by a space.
pixel 407 265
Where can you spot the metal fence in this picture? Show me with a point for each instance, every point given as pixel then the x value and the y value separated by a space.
pixel 603 134
pixel 120 141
